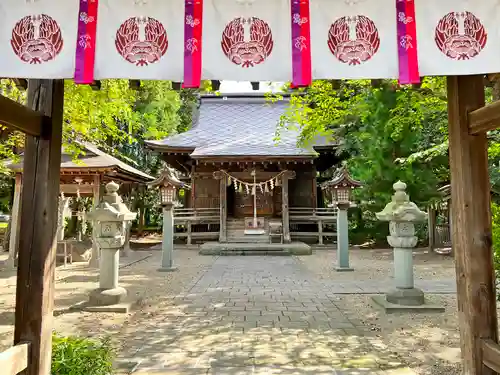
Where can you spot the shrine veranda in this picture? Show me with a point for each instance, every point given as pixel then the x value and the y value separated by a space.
pixel 47 41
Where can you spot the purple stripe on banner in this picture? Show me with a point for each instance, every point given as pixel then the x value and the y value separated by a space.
pixel 188 34
pixel 296 52
pixel 81 42
pixel 404 74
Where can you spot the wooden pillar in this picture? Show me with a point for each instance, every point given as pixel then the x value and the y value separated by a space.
pixel 37 255
pixel 96 193
pixel 14 222
pixel 285 214
pixel 431 224
pixel 222 205
pixel 189 229
pixel 320 232
pixel 471 217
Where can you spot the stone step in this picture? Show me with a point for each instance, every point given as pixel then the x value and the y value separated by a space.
pixel 248 239
pixel 255 252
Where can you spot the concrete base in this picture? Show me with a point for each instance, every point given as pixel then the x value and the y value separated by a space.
pixel 389 308
pixel 233 248
pixel 167 269
pixel 344 269
pixel 407 297
pixel 107 297
pixel 119 308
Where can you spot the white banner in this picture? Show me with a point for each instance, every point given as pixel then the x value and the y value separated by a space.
pixel 458 37
pixel 354 39
pixel 38 38
pixel 247 40
pixel 140 39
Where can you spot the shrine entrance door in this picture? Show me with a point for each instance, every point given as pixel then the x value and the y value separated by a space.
pixel 244 204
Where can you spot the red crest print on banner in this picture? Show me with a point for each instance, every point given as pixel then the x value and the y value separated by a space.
pixel 37 39
pixel 247 41
pixel 353 40
pixel 460 35
pixel 141 40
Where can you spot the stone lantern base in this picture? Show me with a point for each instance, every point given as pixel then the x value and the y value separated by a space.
pixel 107 297
pixel 405 300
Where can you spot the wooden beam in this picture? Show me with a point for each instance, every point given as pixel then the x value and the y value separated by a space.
pixel 485 118
pixel 471 218
pixel 20 117
pixel 14 360
pixel 491 355
pixel 39 203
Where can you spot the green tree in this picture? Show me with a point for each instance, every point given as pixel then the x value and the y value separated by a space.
pixel 378 129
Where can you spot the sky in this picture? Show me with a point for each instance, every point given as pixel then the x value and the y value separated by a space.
pixel 235 86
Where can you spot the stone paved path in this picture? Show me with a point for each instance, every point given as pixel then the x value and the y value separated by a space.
pixel 261 315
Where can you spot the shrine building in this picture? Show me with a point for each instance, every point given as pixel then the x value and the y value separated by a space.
pixel 234 139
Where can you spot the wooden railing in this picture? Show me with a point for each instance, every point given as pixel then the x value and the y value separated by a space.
pixel 303 221
pixel 313 214
pixel 202 223
pixel 491 355
pixel 14 360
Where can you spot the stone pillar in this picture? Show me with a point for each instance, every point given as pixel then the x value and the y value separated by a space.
pixel 285 214
pixel 167 245
pixel 401 215
pixel 343 238
pixel 14 223
pixel 110 219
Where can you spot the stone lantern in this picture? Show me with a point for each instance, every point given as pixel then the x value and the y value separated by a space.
pixel 168 184
pixel 340 188
pixel 110 219
pixel 402 214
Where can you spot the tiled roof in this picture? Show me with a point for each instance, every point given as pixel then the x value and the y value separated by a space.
pixel 93 158
pixel 238 125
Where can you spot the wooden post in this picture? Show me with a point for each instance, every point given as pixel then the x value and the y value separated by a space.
pixel 320 232
pixel 285 215
pixel 188 226
pixel 222 205
pixel 471 231
pixel 37 250
pixel 96 187
pixel 14 223
pixel 431 224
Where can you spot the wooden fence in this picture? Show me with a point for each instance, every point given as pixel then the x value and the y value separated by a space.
pixel 313 222
pixel 491 355
pixel 14 360
pixel 197 223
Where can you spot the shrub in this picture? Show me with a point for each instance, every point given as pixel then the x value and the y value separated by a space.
pixel 81 356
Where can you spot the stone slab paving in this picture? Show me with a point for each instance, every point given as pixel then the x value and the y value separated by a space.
pixel 262 315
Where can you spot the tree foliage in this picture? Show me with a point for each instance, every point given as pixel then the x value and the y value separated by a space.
pixel 380 130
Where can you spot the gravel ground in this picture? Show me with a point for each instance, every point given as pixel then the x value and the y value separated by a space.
pixel 145 287
pixel 428 343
